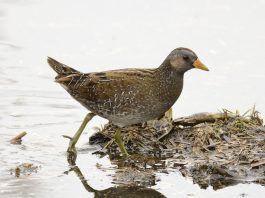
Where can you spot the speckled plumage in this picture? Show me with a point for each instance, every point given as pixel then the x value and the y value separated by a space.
pixel 128 96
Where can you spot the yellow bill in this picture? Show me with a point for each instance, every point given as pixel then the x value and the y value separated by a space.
pixel 199 65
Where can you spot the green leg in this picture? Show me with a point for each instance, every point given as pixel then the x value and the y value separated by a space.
pixel 119 141
pixel 71 151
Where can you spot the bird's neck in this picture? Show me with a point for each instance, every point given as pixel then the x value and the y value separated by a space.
pixel 168 74
pixel 170 82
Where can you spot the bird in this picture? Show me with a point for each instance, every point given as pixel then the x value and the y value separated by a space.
pixel 127 96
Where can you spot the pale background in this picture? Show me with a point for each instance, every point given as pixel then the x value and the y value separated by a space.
pixel 228 36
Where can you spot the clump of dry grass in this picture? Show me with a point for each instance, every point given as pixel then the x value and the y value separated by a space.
pixel 216 149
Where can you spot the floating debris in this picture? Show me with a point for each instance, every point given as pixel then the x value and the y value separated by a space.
pixel 25 169
pixel 18 138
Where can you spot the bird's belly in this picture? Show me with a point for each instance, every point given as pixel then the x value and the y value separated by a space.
pixel 123 121
pixel 134 115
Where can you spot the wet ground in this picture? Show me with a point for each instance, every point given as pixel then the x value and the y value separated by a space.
pixel 93 36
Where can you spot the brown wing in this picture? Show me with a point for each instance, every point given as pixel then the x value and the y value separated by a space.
pixel 98 87
pixel 110 89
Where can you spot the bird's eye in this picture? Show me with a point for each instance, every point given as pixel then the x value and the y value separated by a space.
pixel 185 57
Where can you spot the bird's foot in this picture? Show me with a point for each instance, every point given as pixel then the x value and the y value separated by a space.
pixel 71 151
pixel 120 144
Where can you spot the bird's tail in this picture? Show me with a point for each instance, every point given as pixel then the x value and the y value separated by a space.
pixel 61 69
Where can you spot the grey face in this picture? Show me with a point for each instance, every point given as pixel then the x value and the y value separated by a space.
pixel 182 59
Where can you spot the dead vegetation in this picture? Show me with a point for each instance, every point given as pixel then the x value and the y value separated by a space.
pixel 24 169
pixel 217 149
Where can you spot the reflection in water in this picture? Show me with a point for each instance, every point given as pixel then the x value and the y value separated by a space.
pixel 119 191
pixel 129 191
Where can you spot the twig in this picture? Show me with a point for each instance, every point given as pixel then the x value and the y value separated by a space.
pixel 201 118
pixel 212 145
pixel 18 138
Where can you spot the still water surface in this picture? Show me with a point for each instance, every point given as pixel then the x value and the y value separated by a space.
pixel 228 36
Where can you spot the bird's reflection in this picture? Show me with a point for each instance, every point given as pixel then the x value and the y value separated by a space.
pixel 119 191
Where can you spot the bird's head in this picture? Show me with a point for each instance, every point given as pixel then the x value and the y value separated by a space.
pixel 184 59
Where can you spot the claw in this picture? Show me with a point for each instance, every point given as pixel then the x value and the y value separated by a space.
pixel 68 137
pixel 71 155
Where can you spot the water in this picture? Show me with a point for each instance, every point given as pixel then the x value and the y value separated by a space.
pixel 228 36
